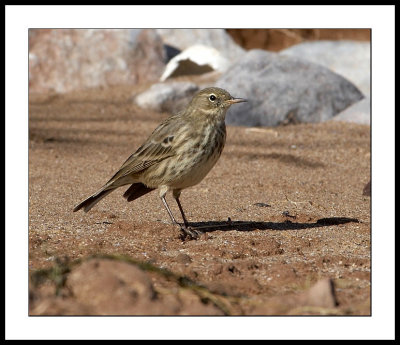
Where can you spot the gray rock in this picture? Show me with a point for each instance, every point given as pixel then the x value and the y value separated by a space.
pixel 216 38
pixel 168 97
pixel 62 60
pixel 350 59
pixel 357 113
pixel 282 89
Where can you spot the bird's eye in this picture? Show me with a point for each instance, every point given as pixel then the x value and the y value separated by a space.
pixel 212 98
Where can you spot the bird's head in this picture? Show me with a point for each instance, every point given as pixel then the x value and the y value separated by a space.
pixel 212 101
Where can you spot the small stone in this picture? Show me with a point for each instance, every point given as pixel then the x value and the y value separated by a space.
pixel 168 97
pixel 367 189
pixel 322 294
pixel 183 258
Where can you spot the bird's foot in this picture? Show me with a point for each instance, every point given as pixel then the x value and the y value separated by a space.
pixel 190 232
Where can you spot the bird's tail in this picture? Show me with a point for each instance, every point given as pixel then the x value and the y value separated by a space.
pixel 93 200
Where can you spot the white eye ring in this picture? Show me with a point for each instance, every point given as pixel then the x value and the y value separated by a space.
pixel 212 98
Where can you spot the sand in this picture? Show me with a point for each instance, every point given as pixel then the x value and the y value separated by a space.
pixel 285 215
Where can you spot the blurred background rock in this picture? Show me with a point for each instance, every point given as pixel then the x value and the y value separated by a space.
pixel 336 63
pixel 278 39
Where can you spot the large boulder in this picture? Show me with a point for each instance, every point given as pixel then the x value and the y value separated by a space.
pixel 62 60
pixel 359 112
pixel 281 89
pixel 350 59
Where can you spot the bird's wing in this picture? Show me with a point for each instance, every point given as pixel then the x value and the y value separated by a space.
pixel 155 149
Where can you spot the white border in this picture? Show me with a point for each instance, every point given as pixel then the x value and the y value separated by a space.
pixel 379 326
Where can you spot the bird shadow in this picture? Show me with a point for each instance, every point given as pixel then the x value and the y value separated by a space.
pixel 211 226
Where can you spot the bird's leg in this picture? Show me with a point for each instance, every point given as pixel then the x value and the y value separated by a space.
pixel 186 229
pixel 182 213
pixel 169 211
pixel 176 194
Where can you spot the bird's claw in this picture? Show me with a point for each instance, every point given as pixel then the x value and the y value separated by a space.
pixel 187 231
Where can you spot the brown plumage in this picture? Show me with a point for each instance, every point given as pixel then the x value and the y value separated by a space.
pixel 177 155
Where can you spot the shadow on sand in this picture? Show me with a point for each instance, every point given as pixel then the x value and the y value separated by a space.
pixel 286 225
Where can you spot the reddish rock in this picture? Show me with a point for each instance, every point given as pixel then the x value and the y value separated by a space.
pixel 278 39
pixel 62 60
pixel 112 287
pixel 108 286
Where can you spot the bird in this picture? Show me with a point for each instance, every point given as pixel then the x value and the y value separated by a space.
pixel 178 154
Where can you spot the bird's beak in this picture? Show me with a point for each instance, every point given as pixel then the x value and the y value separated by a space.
pixel 235 100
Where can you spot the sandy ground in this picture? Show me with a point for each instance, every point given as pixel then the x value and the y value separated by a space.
pixel 298 239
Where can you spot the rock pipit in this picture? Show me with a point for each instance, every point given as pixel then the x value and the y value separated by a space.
pixel 177 155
